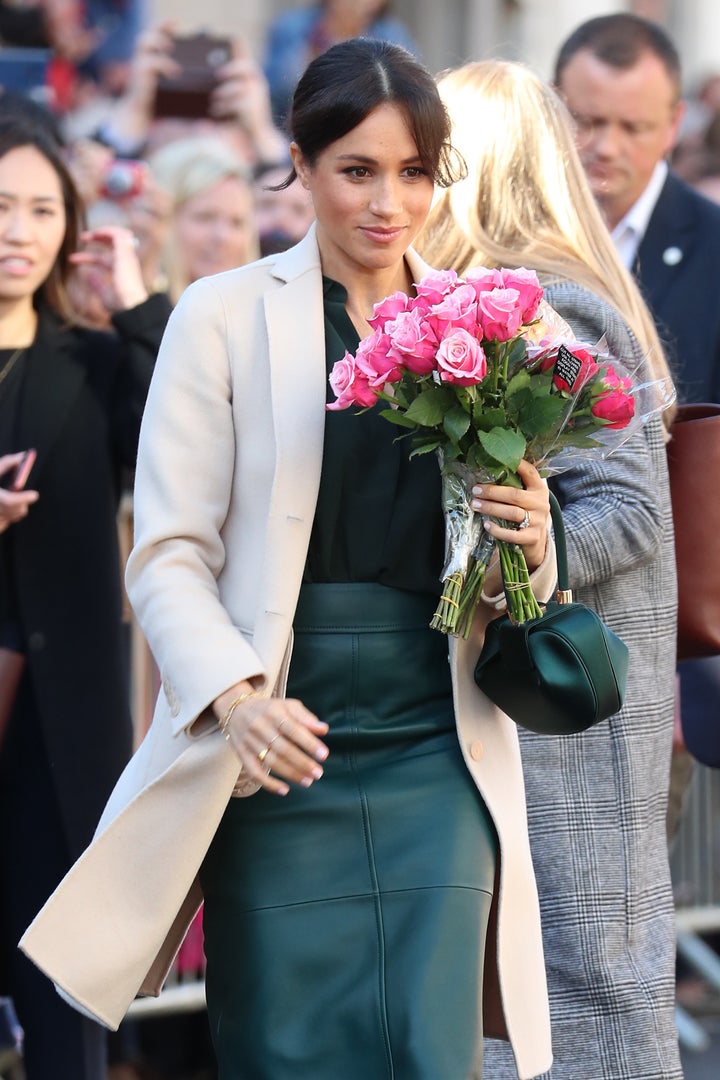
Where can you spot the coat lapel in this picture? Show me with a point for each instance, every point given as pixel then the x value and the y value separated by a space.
pixel 296 347
pixel 667 243
pixel 53 380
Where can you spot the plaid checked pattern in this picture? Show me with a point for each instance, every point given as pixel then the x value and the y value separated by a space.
pixel 597 801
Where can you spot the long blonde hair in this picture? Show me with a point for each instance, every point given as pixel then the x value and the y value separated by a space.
pixel 525 200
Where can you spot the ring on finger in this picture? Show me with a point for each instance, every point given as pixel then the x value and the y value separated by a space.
pixel 266 750
pixel 525 521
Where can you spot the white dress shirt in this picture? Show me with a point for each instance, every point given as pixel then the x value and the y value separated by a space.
pixel 629 231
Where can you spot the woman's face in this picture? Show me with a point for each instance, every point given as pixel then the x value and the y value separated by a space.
pixel 215 229
pixel 371 194
pixel 32 222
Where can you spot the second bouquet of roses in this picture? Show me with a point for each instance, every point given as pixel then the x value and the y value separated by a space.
pixel 481 371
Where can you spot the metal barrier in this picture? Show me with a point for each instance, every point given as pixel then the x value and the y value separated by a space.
pixel 695 866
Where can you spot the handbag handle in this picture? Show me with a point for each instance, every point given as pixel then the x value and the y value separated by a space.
pixel 564 592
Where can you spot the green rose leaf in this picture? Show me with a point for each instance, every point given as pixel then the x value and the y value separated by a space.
pixel 426 448
pixel 507 447
pixel 429 408
pixel 397 417
pixel 542 413
pixel 487 419
pixel 456 423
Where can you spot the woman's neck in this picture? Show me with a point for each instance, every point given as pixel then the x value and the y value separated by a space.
pixel 366 290
pixel 18 323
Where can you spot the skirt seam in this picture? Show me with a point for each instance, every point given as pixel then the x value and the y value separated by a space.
pixel 370 854
pixel 366 895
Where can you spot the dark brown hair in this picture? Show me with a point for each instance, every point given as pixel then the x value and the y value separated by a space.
pixel 620 41
pixel 17 132
pixel 343 85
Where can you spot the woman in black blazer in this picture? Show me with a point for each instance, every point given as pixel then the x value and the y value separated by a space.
pixel 76 397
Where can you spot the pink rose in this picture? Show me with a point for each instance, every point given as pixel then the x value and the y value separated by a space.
pixel 570 379
pixel 615 408
pixel 374 362
pixel 388 308
pixel 613 381
pixel 484 280
pixel 456 311
pixel 435 285
pixel 460 359
pixel 412 342
pixel 530 290
pixel 350 386
pixel 499 314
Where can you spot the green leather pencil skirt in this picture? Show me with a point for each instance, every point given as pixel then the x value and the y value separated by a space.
pixel 345 924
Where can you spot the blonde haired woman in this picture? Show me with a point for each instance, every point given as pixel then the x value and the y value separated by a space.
pixel 212 220
pixel 596 801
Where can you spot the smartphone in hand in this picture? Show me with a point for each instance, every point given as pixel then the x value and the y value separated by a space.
pixel 16 479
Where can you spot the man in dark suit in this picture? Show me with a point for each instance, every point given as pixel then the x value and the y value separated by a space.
pixel 620 77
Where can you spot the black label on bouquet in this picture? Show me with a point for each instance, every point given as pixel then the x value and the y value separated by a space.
pixel 567 366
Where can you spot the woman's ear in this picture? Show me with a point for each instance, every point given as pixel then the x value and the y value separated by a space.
pixel 301 167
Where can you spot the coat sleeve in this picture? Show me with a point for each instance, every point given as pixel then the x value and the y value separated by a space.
pixel 139 331
pixel 182 495
pixel 613 508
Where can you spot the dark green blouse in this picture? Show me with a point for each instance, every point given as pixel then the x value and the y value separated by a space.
pixel 378 516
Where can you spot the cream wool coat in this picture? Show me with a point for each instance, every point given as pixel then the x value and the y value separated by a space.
pixel 223 524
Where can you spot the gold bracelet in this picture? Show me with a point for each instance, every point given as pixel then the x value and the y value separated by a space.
pixel 224 722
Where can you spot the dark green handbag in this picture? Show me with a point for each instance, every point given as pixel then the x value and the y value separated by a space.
pixel 558 674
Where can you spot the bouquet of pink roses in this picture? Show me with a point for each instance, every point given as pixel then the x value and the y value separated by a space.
pixel 481 370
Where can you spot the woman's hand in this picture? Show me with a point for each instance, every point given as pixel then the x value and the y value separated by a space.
pixel 111 267
pixel 276 739
pixel 131 117
pixel 14 504
pixel 242 94
pixel 528 508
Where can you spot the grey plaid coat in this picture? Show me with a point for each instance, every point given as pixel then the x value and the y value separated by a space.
pixel 597 801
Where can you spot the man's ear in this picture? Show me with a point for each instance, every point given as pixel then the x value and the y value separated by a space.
pixel 679 111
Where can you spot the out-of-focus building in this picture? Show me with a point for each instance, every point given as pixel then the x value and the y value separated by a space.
pixel 454 31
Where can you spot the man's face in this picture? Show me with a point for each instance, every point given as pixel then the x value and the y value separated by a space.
pixel 627 121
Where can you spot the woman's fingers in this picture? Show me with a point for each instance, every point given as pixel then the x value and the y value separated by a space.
pixel 277 740
pixel 517 515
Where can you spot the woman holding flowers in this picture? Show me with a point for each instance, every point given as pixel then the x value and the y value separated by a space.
pixel 369 896
pixel 596 801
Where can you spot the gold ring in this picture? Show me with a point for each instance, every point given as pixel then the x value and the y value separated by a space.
pixel 263 754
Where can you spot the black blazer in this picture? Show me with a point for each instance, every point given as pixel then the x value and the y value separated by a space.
pixel 678 269
pixel 80 406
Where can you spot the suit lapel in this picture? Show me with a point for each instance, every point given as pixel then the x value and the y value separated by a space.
pixel 667 243
pixel 53 380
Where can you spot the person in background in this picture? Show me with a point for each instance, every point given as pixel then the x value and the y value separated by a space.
pixel 282 214
pixel 239 109
pixel 596 801
pixel 76 397
pixel 211 225
pixel 285 571
pixel 620 77
pixel 296 36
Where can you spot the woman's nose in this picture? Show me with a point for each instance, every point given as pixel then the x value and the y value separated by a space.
pixel 17 226
pixel 385 198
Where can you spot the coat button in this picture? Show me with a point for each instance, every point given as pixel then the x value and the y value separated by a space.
pixel 36 641
pixel 476 750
